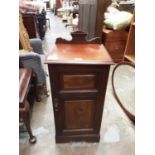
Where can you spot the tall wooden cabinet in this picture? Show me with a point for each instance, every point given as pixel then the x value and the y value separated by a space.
pixel 78 93
pixel 78 77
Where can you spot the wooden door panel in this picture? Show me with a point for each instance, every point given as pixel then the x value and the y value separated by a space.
pixel 78 98
pixel 79 114
pixel 85 81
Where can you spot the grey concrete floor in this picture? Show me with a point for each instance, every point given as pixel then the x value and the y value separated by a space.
pixel 117 132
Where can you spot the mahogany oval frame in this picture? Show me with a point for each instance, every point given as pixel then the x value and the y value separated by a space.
pixel 129 114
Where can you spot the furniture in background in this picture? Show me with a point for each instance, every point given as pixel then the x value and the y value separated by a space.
pixel 115 42
pixel 30 23
pixel 94 9
pixel 25 77
pixel 78 72
pixel 58 5
pixel 41 24
pixel 34 60
pixel 129 53
pixel 88 8
pixel 35 24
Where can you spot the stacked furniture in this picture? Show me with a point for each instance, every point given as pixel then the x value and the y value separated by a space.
pixel 35 24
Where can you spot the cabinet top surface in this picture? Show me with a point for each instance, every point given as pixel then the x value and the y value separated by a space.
pixel 78 54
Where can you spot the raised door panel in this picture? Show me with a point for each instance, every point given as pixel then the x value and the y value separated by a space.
pixel 75 82
pixel 78 97
pixel 79 114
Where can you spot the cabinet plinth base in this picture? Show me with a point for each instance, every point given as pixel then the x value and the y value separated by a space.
pixel 78 138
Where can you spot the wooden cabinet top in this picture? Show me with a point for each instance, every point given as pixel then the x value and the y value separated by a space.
pixel 78 54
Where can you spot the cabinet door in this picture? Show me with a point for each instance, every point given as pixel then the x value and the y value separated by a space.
pixel 76 115
pixel 78 97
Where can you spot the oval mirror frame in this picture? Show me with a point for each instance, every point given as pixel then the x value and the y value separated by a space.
pixel 128 113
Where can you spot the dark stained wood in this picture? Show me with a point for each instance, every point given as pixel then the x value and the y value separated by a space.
pixel 24 81
pixel 81 111
pixel 101 9
pixel 87 102
pixel 82 82
pixel 129 53
pixel 115 42
pixel 25 76
pixel 78 79
pixel 79 37
pixel 29 21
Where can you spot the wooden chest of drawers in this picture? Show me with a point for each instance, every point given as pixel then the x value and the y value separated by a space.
pixel 115 42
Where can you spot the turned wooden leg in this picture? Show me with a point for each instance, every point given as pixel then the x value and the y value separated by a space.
pixel 24 113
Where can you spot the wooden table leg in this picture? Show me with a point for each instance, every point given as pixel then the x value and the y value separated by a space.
pixel 24 113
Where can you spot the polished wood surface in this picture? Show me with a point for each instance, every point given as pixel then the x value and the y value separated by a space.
pixel 78 78
pixel 79 54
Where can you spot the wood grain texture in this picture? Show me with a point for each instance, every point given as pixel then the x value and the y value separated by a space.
pixel 78 77
pixel 75 82
pixel 115 42
pixel 78 54
pixel 78 114
pixel 82 114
